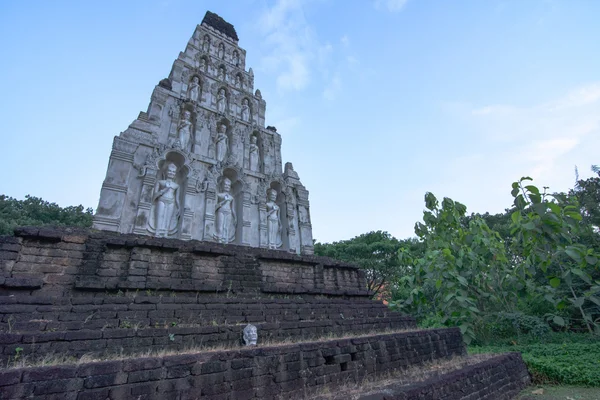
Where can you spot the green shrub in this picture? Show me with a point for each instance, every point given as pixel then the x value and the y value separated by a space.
pixel 508 326
pixel 431 321
pixel 576 361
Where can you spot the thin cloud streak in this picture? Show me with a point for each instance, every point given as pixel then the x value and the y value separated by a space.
pixel 390 5
pixel 543 141
pixel 291 41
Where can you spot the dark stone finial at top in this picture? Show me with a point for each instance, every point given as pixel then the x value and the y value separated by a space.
pixel 271 128
pixel 213 20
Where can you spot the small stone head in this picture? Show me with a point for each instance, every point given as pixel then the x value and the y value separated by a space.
pixel 272 193
pixel 253 139
pixel 222 128
pixel 195 79
pixel 250 335
pixel 245 102
pixel 187 115
pixel 226 185
pixel 171 171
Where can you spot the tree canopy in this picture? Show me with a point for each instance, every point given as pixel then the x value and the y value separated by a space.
pixel 37 212
pixel 375 252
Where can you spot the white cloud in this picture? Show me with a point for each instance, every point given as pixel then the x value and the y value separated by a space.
pixel 291 42
pixel 287 125
pixel 345 41
pixel 544 141
pixel 579 97
pixel 333 87
pixel 390 5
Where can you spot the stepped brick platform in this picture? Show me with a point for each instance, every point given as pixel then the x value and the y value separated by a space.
pixel 163 319
pixel 265 372
pixel 498 377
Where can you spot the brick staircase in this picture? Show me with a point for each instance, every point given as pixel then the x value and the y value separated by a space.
pixel 87 314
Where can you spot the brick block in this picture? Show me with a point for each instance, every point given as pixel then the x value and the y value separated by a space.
pixel 97 381
pixel 48 373
pixel 8 377
pixel 99 368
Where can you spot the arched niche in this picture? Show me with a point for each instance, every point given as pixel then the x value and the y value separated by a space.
pixel 203 63
pixel 239 80
pixel 221 50
pixel 225 108
pixel 259 143
pixel 222 73
pixel 200 82
pixel 206 43
pixel 229 134
pixel 181 162
pixel 281 201
pixel 237 192
pixel 188 106
pixel 174 222
pixel 246 102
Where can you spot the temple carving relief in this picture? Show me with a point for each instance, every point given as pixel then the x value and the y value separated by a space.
pixel 200 163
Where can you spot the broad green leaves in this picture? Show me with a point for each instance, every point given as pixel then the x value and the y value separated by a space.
pixel 465 263
pixel 546 229
pixel 468 271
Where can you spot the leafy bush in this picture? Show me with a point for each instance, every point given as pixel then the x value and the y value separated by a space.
pixel 511 325
pixel 431 321
pixel 575 361
pixel 464 273
pixel 501 286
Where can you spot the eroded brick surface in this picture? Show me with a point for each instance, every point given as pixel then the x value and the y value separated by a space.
pixel 263 372
pixel 67 261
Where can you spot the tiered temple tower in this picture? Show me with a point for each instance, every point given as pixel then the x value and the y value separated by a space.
pixel 200 163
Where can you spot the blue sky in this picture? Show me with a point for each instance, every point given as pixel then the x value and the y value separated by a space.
pixel 377 101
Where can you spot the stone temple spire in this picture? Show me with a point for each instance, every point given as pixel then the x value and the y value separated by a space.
pixel 201 163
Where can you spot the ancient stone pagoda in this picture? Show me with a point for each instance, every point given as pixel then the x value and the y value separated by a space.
pixel 138 313
pixel 200 163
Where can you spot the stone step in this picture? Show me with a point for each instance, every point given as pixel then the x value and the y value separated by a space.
pixel 37 345
pixel 263 372
pixel 30 313
pixel 483 376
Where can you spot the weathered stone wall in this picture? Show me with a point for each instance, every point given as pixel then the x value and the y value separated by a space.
pixel 130 339
pixel 119 324
pixel 73 262
pixel 34 313
pixel 290 371
pixel 499 378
